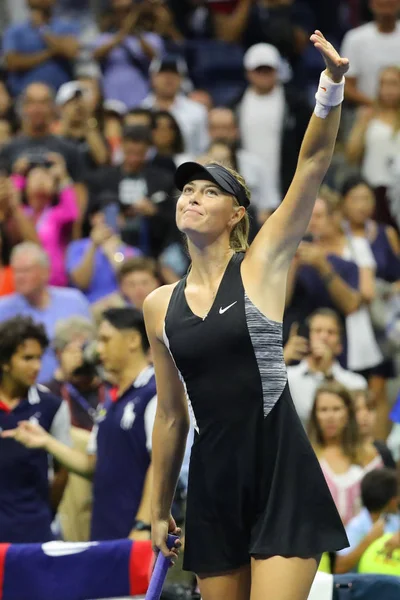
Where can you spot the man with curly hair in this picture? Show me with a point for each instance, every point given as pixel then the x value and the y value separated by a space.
pixel 25 506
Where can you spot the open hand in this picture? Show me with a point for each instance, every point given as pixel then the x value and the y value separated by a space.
pixel 336 66
pixel 30 435
pixel 296 348
pixel 392 544
pixel 58 167
pixel 310 254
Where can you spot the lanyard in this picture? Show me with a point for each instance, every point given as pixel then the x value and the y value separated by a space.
pixel 69 391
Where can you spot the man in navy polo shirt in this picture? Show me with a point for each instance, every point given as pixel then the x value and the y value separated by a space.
pixel 25 510
pixel 118 456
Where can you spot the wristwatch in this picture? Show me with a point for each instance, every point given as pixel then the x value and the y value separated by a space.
pixel 142 526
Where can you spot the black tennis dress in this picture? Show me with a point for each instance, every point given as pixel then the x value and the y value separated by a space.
pixel 255 484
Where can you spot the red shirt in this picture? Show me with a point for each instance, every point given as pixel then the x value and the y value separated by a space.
pixel 224 7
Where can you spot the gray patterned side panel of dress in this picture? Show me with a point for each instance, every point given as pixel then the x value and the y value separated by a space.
pixel 266 337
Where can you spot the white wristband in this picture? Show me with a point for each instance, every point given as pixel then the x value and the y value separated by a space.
pixel 329 94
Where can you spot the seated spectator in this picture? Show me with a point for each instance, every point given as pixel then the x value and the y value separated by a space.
pixel 370 48
pixel 166 79
pixel 357 250
pixel 318 277
pixel 137 278
pixel 142 194
pixel 35 298
pixel 380 499
pixel 333 433
pixel 358 207
pixel 79 126
pixel 223 125
pixel 92 263
pixel 37 141
pixel 365 407
pixel 320 352
pixel 374 140
pixel 40 49
pixel 25 510
pixel 168 142
pixel 272 119
pixel 52 206
pixel 125 54
pixel 118 456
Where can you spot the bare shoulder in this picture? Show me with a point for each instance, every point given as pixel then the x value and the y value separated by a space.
pixel 155 309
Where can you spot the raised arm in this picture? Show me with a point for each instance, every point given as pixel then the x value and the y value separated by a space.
pixel 171 423
pixel 276 243
pixel 356 141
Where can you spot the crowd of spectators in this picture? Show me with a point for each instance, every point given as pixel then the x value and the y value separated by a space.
pixel 100 102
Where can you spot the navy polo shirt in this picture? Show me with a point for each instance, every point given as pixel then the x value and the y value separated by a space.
pixel 122 441
pixel 25 512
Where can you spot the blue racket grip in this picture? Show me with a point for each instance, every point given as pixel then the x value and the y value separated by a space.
pixel 160 572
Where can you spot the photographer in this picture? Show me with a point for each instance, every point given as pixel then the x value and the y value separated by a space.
pixel 51 204
pixel 77 379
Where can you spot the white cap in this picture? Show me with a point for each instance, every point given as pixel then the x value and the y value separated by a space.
pixel 68 91
pixel 116 106
pixel 262 55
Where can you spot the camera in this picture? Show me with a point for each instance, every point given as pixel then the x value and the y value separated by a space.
pixel 90 366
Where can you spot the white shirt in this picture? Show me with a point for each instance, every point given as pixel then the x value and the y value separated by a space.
pixel 261 123
pixel 192 118
pixel 369 51
pixel 381 145
pixel 303 384
pixel 256 176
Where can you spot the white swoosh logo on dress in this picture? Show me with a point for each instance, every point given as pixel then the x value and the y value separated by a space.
pixel 222 310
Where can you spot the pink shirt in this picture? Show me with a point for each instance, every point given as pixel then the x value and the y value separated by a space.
pixel 345 489
pixel 53 228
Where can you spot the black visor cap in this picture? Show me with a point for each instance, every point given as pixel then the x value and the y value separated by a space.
pixel 190 171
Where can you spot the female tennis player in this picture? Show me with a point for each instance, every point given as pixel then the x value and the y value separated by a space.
pixel 259 513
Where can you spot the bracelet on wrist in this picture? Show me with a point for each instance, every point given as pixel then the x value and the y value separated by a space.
pixel 142 526
pixel 327 279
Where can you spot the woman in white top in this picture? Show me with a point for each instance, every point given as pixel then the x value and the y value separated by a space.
pixel 375 137
pixel 334 435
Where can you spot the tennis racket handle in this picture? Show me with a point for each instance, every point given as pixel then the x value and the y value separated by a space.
pixel 160 572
